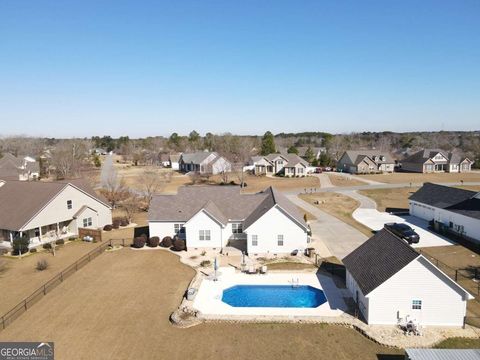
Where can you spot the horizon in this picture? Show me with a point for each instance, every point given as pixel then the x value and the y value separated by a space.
pixel 117 68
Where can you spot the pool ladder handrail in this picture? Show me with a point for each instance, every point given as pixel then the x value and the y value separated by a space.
pixel 295 284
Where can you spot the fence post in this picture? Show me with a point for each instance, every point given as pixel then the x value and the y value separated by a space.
pixel 61 276
pixel 25 301
pixel 456 272
pixel 3 322
pixel 123 242
pixel 44 290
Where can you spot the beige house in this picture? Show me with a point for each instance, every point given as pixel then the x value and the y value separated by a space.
pixel 435 160
pixel 48 211
pixel 365 161
pixel 290 165
pixel 19 168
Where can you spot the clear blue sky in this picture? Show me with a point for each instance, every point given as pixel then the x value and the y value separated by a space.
pixel 139 68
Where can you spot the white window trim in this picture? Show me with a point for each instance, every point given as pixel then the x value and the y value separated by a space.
pixel 419 303
pixel 280 238
pixel 254 240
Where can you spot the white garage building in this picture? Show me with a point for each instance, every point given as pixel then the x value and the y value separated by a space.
pixel 451 209
pixel 212 217
pixel 390 281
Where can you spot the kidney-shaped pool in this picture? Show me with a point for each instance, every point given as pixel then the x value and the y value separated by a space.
pixel 281 296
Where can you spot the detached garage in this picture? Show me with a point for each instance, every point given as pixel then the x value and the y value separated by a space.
pixel 390 281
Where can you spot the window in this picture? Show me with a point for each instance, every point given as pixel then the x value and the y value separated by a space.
pixel 254 240
pixel 178 228
pixel 417 304
pixel 237 228
pixel 87 222
pixel 69 204
pixel 204 235
pixel 280 240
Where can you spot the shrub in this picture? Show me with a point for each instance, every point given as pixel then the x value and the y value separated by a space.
pixel 179 245
pixel 34 250
pixel 60 242
pixel 72 238
pixel 124 222
pixel 20 245
pixel 205 263
pixel 153 241
pixel 139 242
pixel 116 223
pixel 108 227
pixel 203 253
pixel 166 242
pixel 47 246
pixel 42 265
pixel 3 251
pixel 232 183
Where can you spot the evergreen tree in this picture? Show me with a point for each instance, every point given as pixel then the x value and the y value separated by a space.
pixel 309 155
pixel 292 150
pixel 268 143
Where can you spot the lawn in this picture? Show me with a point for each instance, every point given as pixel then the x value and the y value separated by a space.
pixel 339 205
pixel 344 180
pixel 20 278
pixel 396 178
pixel 118 307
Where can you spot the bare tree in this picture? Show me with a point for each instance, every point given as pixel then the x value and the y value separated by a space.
pixel 131 205
pixel 153 182
pixel 113 186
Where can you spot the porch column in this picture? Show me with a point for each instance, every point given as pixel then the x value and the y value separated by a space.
pixel 40 233
pixel 58 230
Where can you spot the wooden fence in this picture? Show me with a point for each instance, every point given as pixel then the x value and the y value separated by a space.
pixel 51 284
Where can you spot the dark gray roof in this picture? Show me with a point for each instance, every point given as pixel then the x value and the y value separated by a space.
pixel 378 259
pixel 443 354
pixel 449 198
pixel 424 155
pixel 196 157
pixel 225 203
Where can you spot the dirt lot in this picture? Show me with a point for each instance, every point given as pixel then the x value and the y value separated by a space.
pixel 344 180
pixel 114 309
pixel 398 198
pixel 21 277
pixel 420 178
pixel 338 205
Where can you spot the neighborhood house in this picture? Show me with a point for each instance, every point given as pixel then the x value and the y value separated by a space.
pixel 48 211
pixel 365 161
pixel 204 162
pixel 435 160
pixel 390 282
pixel 218 216
pixel 277 164
pixel 449 209
pixel 18 168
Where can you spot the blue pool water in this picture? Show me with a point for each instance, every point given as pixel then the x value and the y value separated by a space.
pixel 283 296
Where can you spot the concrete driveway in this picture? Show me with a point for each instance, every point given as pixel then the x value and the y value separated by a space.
pixel 375 220
pixel 339 238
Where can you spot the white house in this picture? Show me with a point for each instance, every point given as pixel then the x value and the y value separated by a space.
pixel 389 281
pixel 204 162
pixel 451 209
pixel 47 211
pixel 216 216
pixel 289 165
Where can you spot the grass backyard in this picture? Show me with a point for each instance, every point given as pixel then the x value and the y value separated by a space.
pixel 339 205
pixel 396 178
pixel 114 309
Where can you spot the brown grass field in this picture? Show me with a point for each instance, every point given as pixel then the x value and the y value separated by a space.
pixel 118 307
pixel 396 178
pixel 21 278
pixel 339 205
pixel 341 180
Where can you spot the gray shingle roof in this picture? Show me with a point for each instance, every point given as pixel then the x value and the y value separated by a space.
pixel 443 354
pixel 196 157
pixel 449 198
pixel 356 156
pixel 378 259
pixel 422 156
pixel 225 203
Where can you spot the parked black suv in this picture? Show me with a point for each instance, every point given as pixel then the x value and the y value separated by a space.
pixel 403 231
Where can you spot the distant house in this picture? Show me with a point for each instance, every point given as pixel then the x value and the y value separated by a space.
pixel 19 168
pixel 302 151
pixel 216 216
pixel 48 211
pixel 204 162
pixel 451 209
pixel 389 281
pixel 174 160
pixel 279 164
pixel 435 160
pixel 365 161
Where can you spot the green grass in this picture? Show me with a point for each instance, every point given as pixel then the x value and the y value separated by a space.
pixel 459 343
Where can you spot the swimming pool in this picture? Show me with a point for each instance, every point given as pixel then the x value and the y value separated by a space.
pixel 281 296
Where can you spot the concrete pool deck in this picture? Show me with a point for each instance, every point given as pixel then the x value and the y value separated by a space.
pixel 209 297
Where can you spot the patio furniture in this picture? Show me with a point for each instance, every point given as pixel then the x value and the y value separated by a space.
pixel 191 294
pixel 294 252
pixel 252 270
pixel 263 269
